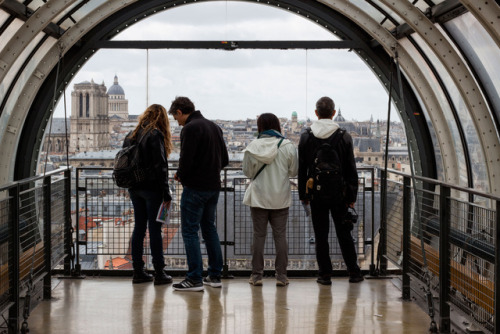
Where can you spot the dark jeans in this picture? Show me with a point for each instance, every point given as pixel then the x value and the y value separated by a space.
pixel 146 204
pixel 198 210
pixel 321 223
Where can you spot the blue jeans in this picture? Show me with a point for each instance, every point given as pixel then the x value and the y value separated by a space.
pixel 146 204
pixel 198 210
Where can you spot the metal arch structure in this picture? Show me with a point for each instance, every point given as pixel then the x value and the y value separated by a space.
pixel 77 55
pixel 26 93
pixel 463 78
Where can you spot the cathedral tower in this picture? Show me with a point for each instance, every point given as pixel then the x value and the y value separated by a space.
pixel 89 118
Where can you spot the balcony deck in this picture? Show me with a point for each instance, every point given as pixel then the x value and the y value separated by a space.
pixel 114 305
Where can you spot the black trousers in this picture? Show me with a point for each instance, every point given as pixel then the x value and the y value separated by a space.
pixel 320 214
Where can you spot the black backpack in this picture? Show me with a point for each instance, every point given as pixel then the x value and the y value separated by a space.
pixel 128 170
pixel 326 169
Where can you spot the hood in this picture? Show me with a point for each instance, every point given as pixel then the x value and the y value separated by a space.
pixel 324 128
pixel 264 149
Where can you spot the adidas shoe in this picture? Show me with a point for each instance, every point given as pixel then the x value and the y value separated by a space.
pixel 188 285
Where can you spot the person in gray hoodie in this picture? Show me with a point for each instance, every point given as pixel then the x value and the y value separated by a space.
pixel 269 161
pixel 323 130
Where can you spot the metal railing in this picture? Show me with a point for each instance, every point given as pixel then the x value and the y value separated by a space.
pixel 35 228
pixel 445 240
pixel 441 237
pixel 105 223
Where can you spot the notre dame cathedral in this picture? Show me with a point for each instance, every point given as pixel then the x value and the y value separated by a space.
pixel 95 112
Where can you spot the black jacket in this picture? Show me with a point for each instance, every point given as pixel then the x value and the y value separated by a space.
pixel 203 153
pixel 346 155
pixel 153 157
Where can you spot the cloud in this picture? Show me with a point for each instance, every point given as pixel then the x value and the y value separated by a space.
pixel 243 83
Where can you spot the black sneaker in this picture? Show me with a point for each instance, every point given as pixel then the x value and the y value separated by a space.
pixel 162 278
pixel 324 280
pixel 141 276
pixel 188 285
pixel 213 281
pixel 356 278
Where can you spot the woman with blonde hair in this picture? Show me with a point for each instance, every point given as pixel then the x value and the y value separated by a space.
pixel 152 134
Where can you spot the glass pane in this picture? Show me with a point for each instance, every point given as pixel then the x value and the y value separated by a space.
pixel 225 21
pixel 10 31
pixel 68 22
pixel 86 9
pixel 422 5
pixel 457 144
pixel 4 38
pixel 25 76
pixel 482 53
pixel 378 15
pixel 476 154
pixel 243 83
pixel 3 17
pixel 435 141
pixel 35 4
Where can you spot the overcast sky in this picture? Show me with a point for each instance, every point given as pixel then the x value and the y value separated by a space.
pixel 237 84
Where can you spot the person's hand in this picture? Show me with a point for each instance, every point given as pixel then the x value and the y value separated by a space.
pixel 176 178
pixel 305 202
pixel 351 205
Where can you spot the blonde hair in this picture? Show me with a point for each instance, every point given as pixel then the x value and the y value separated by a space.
pixel 155 117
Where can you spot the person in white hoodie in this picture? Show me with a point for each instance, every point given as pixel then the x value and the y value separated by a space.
pixel 269 161
pixel 324 130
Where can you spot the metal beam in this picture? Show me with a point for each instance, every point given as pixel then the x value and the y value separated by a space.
pixel 23 13
pixel 227 45
pixel 441 13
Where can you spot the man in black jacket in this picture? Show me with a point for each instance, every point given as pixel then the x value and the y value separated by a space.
pixel 323 131
pixel 203 155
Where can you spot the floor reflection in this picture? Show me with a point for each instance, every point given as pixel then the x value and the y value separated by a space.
pixel 114 305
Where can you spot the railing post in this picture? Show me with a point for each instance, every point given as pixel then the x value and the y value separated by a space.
pixel 444 259
pixel 14 243
pixel 496 311
pixel 67 222
pixel 77 271
pixel 225 269
pixel 383 224
pixel 406 236
pixel 372 265
pixel 47 231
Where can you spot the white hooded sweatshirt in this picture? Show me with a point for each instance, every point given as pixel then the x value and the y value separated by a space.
pixel 271 189
pixel 324 128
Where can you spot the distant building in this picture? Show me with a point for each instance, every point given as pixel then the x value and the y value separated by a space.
pixel 57 141
pixel 117 105
pixel 89 118
pixel 294 121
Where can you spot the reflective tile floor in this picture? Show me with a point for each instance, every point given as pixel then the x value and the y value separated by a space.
pixel 115 305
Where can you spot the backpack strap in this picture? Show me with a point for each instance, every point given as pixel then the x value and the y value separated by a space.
pixel 337 136
pixel 264 166
pixel 333 140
